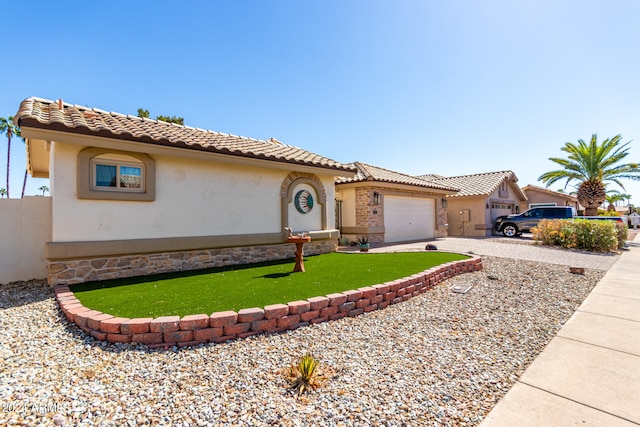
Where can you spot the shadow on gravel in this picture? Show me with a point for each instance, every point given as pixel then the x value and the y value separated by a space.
pixel 16 294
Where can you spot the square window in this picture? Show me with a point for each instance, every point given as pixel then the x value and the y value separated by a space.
pixel 113 175
pixel 105 174
pixel 130 177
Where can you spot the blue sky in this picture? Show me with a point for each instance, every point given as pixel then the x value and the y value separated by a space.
pixel 448 87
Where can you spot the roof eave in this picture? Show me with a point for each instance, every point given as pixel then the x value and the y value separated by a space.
pixel 27 122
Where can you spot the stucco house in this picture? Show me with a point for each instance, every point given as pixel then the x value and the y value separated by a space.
pixel 540 196
pixel 388 206
pixel 133 196
pixel 480 200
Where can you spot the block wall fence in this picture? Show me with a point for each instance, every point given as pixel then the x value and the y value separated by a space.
pixel 169 331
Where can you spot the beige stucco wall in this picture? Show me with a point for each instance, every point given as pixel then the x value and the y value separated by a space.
pixel 25 227
pixel 543 197
pixel 480 207
pixel 348 198
pixel 478 215
pixel 194 197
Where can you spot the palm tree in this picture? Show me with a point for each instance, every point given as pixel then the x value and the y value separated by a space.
pixel 24 181
pixel 613 197
pixel 7 127
pixel 592 165
pixel 44 189
pixel 3 192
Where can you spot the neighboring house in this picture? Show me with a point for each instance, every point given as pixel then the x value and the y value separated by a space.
pixel 540 196
pixel 133 196
pixel 388 206
pixel 480 200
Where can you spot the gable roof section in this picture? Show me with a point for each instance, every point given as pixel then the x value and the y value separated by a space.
pixel 481 184
pixel 546 190
pixel 369 173
pixel 58 116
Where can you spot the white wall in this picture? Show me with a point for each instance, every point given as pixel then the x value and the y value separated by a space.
pixel 194 197
pixel 309 221
pixel 25 226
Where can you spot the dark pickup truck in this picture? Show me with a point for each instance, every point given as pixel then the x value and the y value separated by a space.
pixel 513 225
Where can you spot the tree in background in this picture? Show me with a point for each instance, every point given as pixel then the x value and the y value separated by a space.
pixel 172 119
pixel 24 181
pixel 7 127
pixel 613 197
pixel 44 189
pixel 592 165
pixel 3 192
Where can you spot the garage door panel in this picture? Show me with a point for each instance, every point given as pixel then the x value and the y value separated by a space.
pixel 500 209
pixel 408 218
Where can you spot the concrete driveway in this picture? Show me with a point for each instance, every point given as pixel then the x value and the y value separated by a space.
pixel 519 248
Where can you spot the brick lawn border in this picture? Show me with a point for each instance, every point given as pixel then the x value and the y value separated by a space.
pixel 168 331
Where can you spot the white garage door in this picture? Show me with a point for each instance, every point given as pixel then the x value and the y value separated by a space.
pixel 408 218
pixel 500 209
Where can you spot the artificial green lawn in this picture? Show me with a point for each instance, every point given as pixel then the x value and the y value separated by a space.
pixel 255 285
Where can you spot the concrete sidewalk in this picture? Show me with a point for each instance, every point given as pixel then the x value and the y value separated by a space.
pixel 589 374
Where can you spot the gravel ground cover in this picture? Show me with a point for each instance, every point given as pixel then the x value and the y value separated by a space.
pixel 439 359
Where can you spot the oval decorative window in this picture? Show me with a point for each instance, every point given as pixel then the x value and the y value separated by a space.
pixel 304 201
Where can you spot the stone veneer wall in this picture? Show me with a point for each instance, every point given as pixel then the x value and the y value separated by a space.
pixel 169 331
pixel 69 272
pixel 365 216
pixel 443 226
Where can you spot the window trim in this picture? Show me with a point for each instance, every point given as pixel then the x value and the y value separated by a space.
pixel 86 188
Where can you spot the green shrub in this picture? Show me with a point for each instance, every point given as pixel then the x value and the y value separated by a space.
pixel 555 232
pixel 623 233
pixel 590 235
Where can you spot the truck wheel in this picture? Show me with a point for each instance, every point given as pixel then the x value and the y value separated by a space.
pixel 510 230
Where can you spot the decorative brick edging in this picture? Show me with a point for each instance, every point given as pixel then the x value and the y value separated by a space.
pixel 168 331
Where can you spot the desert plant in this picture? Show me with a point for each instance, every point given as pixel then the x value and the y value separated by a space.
pixel 363 240
pixel 305 375
pixel 555 232
pixel 603 236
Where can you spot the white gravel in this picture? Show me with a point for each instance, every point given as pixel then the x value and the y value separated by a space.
pixel 438 359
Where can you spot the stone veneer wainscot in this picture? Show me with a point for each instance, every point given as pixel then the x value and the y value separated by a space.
pixel 70 272
pixel 169 331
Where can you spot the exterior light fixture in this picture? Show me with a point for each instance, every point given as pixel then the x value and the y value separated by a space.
pixel 444 202
pixel 376 198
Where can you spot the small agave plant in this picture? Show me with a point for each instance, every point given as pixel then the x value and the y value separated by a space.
pixel 305 375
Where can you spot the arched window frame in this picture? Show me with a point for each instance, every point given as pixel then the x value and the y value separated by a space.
pixel 90 158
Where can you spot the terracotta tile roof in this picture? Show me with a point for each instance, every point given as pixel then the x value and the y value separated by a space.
pixel 546 190
pixel 431 176
pixel 56 115
pixel 373 173
pixel 477 184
